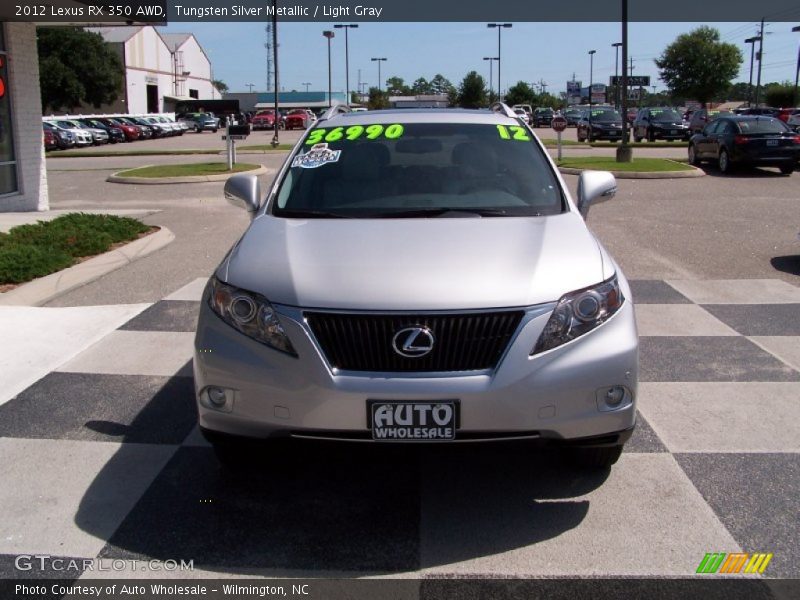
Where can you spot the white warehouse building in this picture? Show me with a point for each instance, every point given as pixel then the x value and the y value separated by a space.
pixel 160 69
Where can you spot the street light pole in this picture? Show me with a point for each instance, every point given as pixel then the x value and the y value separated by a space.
pixel 591 68
pixel 616 46
pixel 624 152
pixel 346 57
pixel 379 61
pixel 329 35
pixel 752 41
pixel 491 60
pixel 795 97
pixel 499 27
pixel 250 86
pixel 307 84
pixel 275 139
pixel 760 59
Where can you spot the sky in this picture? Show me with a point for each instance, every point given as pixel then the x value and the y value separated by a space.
pixel 531 52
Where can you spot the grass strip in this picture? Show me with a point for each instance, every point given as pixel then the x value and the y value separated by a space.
pixel 609 163
pixel 187 170
pixel 36 250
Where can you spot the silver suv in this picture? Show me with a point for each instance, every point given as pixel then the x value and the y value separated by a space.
pixel 418 276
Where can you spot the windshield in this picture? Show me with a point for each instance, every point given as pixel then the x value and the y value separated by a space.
pixel 762 126
pixel 605 116
pixel 419 169
pixel 665 115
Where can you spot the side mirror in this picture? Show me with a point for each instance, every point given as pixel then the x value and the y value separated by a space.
pixel 593 187
pixel 243 191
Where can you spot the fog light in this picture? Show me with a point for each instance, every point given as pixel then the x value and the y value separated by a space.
pixel 217 396
pixel 615 395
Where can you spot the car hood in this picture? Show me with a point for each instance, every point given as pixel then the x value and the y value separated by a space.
pixel 415 264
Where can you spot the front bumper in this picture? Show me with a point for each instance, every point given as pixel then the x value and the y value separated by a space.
pixel 556 395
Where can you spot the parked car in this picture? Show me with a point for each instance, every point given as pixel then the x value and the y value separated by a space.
pixel 64 137
pixel 175 127
pixel 297 119
pixel 543 117
pixel 115 134
pixel 659 124
pixel 99 135
pixel 755 141
pixel 160 128
pixel 526 118
pixel 573 115
pixel 794 121
pixel 702 117
pixel 449 328
pixel 200 122
pixel 146 130
pixel 785 113
pixel 600 124
pixel 631 115
pixel 50 139
pixel 761 110
pixel 132 132
pixel 83 137
pixel 265 119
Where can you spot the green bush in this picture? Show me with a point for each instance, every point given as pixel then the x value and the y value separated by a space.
pixel 30 251
pixel 23 262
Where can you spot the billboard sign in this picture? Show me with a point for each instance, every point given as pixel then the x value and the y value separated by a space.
pixel 573 92
pixel 633 80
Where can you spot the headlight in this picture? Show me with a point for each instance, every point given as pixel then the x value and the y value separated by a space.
pixel 249 313
pixel 579 312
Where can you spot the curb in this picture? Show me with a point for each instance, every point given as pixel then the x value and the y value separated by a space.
pixel 695 172
pixel 116 178
pixel 44 289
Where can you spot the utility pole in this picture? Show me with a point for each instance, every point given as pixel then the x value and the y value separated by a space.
pixel 625 152
pixel 752 41
pixel 760 59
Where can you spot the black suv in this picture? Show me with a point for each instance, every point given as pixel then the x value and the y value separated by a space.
pixel 542 116
pixel 600 124
pixel 701 118
pixel 659 124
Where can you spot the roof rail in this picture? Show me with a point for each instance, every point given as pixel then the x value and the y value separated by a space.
pixel 334 110
pixel 504 109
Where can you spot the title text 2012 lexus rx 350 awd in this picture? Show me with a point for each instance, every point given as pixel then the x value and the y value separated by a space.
pixel 418 276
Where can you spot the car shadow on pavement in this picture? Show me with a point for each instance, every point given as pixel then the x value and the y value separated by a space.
pixel 744 173
pixel 335 507
pixel 787 264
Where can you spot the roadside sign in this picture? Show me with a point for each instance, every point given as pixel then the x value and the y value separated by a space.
pixel 234 137
pixel 559 123
pixel 633 80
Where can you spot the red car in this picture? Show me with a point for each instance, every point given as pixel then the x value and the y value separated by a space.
pixel 265 119
pixel 131 132
pixel 785 113
pixel 50 141
pixel 297 119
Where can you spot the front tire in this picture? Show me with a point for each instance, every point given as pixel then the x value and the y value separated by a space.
pixel 725 162
pixel 601 457
pixel 693 160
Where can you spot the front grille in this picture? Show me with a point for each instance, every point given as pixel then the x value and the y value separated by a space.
pixel 463 342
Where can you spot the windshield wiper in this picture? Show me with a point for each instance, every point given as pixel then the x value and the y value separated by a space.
pixel 438 212
pixel 311 214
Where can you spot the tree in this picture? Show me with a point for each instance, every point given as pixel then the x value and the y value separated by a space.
pixel 221 86
pixel 779 94
pixel 377 99
pixel 441 85
pixel 520 93
pixel 697 65
pixel 472 91
pixel 76 67
pixel 397 87
pixel 421 86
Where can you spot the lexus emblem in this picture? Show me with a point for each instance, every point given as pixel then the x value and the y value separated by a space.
pixel 413 342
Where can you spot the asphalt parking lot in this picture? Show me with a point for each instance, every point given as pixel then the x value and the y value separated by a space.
pixel 123 473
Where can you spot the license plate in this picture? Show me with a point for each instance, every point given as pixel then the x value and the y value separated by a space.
pixel 413 421
pixel 673 132
pixel 772 142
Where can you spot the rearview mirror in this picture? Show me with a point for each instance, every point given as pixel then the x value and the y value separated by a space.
pixel 244 191
pixel 593 187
